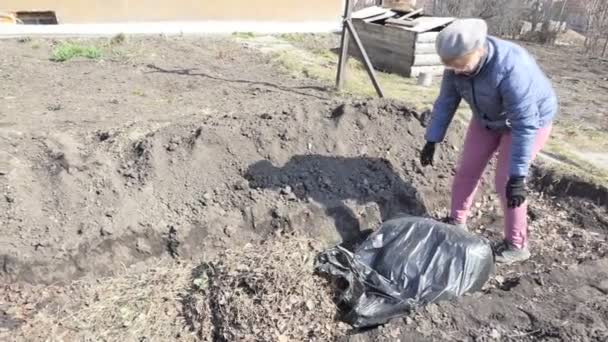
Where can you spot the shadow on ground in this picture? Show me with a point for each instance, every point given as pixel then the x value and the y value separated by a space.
pixel 332 181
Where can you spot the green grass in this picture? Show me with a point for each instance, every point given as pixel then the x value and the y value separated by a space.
pixel 244 35
pixel 581 136
pixel 69 50
pixel 572 163
pixel 321 65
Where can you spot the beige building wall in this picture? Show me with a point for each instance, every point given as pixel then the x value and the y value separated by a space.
pixel 99 11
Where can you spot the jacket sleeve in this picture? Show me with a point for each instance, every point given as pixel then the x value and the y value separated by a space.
pixel 519 102
pixel 443 111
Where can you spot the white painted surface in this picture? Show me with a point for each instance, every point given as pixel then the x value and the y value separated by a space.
pixel 168 28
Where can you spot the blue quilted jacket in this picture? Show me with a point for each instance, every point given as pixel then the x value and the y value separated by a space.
pixel 509 92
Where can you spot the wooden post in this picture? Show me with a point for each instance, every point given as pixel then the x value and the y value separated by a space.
pixel 347 31
pixel 367 63
pixel 344 46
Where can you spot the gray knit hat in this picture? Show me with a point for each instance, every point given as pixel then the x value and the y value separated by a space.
pixel 461 37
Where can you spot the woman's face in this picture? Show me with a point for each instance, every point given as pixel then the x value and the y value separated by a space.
pixel 466 64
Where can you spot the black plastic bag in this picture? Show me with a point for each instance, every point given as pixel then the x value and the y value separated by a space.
pixel 407 262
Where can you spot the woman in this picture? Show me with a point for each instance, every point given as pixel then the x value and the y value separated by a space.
pixel 513 106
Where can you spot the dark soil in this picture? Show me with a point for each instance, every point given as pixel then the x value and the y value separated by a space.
pixel 190 147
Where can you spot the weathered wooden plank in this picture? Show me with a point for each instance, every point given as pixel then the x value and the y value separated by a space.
pixel 380 53
pixel 398 51
pixel 369 12
pixel 424 24
pixel 412 13
pixel 388 35
pixel 385 59
pixel 424 48
pixel 426 60
pixel 381 47
pixel 378 28
pixel 400 22
pixel 426 37
pixel 435 70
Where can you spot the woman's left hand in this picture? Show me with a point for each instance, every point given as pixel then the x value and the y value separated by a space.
pixel 516 192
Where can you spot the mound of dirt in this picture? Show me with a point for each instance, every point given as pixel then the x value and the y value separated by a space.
pixel 89 202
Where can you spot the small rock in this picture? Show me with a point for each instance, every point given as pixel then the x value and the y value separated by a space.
pixel 266 116
pixel 241 185
pixel 495 334
pixel 54 107
pixel 500 279
pixel 409 320
pixel 229 231
pixel 9 198
pixel 310 305
pixel 143 246
pixel 103 135
pixel 286 190
pixel 105 231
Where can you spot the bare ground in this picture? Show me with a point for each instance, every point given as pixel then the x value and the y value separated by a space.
pixel 169 154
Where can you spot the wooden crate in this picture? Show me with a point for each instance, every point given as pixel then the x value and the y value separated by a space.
pixel 395 50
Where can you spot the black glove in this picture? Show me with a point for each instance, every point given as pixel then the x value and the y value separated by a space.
pixel 426 156
pixel 516 192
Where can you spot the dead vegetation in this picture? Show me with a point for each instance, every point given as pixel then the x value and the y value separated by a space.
pixel 137 306
pixel 263 293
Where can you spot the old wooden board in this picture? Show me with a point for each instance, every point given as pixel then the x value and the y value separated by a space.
pixel 396 50
pixel 424 24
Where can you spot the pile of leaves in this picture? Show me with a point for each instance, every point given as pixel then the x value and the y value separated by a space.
pixel 265 292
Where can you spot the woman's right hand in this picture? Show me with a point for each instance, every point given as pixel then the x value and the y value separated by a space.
pixel 427 154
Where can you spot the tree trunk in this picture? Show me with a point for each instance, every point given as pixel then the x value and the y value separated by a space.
pixel 605 47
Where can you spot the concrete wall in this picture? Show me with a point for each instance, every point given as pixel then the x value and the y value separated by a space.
pixel 100 11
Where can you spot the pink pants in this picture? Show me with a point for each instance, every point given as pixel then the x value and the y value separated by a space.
pixel 480 145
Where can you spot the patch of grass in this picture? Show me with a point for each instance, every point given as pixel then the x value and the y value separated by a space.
pixel 572 163
pixel 293 37
pixel 321 65
pixel 244 35
pixel 69 50
pixel 590 139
